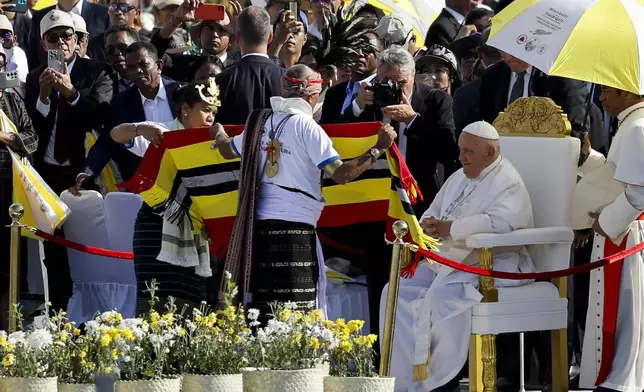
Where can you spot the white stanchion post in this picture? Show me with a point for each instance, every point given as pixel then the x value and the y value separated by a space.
pixel 521 364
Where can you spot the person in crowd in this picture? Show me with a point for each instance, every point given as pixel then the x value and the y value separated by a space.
pixel 613 348
pixel 448 23
pixel 255 74
pixel 154 256
pixel 434 307
pixel 369 11
pixel 441 63
pixel 63 107
pixel 213 37
pixel 324 10
pixel 83 36
pixel 396 30
pixel 275 7
pixel 164 13
pixel 149 99
pixel 16 59
pixel 117 40
pixel 467 98
pixel 290 37
pixel 23 141
pixel 128 12
pixel 480 18
pixel 339 97
pixel 206 67
pixel 289 201
pixel 21 24
pixel 95 15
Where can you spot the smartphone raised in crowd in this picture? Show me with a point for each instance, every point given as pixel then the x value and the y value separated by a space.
pixel 56 60
pixel 20 7
pixel 294 8
pixel 9 79
pixel 210 12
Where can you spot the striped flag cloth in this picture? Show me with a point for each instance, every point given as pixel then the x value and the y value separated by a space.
pixel 185 175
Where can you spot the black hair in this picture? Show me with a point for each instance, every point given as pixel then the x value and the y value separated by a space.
pixel 477 13
pixel 143 46
pixel 369 9
pixel 129 31
pixel 203 60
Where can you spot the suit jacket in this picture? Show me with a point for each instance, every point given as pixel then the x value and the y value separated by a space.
pixel 466 105
pixel 246 86
pixel 570 94
pixel 21 29
pixel 430 138
pixel 91 79
pixel 443 31
pixel 126 107
pixel 333 101
pixel 97 21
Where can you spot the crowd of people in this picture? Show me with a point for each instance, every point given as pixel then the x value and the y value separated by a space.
pixel 133 71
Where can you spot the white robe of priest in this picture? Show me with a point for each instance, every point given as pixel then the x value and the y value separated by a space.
pixel 434 306
pixel 613 349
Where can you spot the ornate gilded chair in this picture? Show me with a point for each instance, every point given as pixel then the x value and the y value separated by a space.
pixel 535 138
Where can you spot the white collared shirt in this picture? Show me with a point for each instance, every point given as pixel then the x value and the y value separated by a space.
pixel 44 110
pixel 77 8
pixel 158 109
pixel 526 82
pixel 314 30
pixel 254 54
pixel 223 57
pixel 459 18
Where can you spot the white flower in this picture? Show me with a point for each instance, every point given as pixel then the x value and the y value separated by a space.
pixel 290 305
pixel 17 338
pixel 228 275
pixel 253 314
pixel 40 339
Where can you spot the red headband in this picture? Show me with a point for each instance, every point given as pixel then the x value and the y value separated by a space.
pixel 308 81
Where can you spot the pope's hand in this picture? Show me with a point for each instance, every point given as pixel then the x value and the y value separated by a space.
pixel 596 226
pixel 436 228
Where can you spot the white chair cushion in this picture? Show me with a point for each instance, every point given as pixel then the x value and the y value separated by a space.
pixel 121 209
pixel 532 307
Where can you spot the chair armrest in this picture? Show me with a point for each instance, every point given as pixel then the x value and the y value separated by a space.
pixel 539 236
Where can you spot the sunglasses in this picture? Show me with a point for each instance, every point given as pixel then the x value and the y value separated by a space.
pixel 115 50
pixel 53 39
pixel 6 36
pixel 123 7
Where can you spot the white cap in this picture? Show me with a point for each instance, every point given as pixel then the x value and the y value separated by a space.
pixel 53 19
pixel 483 130
pixel 79 23
pixel 394 29
pixel 161 4
pixel 5 24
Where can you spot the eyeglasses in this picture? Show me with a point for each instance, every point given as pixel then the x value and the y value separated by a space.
pixel 53 39
pixel 115 50
pixel 435 70
pixel 123 7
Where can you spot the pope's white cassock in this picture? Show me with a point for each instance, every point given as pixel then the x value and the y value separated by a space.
pixel 434 306
pixel 613 349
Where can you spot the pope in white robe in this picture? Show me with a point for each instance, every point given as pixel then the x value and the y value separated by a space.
pixel 434 313
pixel 613 348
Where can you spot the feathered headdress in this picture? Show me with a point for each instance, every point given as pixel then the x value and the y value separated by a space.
pixel 212 90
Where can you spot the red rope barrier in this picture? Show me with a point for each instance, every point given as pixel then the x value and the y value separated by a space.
pixel 84 248
pixel 532 275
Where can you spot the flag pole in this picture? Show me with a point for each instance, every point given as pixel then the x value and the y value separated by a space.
pixel 400 229
pixel 16 212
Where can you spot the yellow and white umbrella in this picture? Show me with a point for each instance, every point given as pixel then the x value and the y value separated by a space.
pixel 599 41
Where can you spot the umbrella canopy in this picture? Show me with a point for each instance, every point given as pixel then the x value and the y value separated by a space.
pixel 599 41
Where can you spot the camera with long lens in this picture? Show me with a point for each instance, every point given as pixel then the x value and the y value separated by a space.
pixel 386 93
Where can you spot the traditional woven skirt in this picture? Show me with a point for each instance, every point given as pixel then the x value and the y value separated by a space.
pixel 175 281
pixel 285 264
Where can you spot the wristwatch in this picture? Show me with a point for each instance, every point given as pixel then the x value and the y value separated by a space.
pixel 375 154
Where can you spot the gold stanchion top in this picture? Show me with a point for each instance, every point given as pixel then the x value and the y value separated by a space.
pixel 16 212
pixel 400 229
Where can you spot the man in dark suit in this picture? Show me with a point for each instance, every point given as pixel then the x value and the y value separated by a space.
pixel 425 127
pixel 338 98
pixel 117 39
pixel 64 106
pixel 95 16
pixel 446 26
pixel 151 98
pixel 253 80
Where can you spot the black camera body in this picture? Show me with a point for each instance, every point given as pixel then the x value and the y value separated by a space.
pixel 386 93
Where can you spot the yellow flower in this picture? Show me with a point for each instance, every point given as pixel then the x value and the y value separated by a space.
pixel 315 343
pixel 355 325
pixel 108 370
pixel 49 303
pixel 77 332
pixel 63 314
pixel 238 339
pixel 115 333
pixel 168 318
pixel 298 316
pixel 127 334
pixel 9 347
pixel 82 354
pixel 371 339
pixel 231 331
pixel 3 341
pixel 154 317
pixel 106 340
pixel 346 346
pixel 91 366
pixel 181 332
pixel 216 330
pixel 328 324
pixel 340 322
pixel 8 360
pixel 286 314
pixel 115 354
pixel 69 327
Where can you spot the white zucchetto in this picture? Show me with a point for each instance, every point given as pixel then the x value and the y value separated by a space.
pixel 483 130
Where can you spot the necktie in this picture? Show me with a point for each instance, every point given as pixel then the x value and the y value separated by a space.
pixel 61 147
pixel 349 97
pixel 517 89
